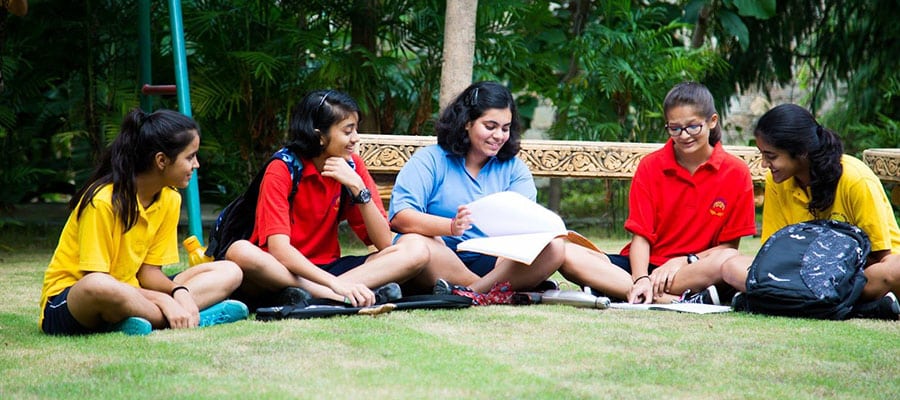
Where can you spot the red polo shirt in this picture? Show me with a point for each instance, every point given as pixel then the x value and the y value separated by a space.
pixel 680 213
pixel 312 223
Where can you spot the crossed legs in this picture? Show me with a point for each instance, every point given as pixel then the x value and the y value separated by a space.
pixel 99 299
pixel 445 264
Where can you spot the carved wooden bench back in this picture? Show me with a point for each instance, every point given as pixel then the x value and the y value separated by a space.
pixel 386 154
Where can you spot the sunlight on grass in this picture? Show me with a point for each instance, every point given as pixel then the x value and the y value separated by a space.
pixel 542 352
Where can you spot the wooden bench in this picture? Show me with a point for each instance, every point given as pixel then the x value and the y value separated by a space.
pixel 886 165
pixel 386 154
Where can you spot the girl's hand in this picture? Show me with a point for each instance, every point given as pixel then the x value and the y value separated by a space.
pixel 355 294
pixel 186 301
pixel 664 277
pixel 338 169
pixel 461 222
pixel 641 292
pixel 177 316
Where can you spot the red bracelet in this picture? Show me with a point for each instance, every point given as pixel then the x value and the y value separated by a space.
pixel 452 222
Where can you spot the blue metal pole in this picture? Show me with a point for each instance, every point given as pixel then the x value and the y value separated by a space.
pixel 195 224
pixel 144 45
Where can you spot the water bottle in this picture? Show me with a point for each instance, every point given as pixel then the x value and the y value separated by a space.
pixel 196 253
pixel 574 298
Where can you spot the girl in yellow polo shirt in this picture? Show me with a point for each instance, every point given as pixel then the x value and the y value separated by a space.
pixel 810 178
pixel 106 271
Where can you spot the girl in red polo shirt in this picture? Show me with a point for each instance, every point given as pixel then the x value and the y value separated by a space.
pixel 294 243
pixel 689 205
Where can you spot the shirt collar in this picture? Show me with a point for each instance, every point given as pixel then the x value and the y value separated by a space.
pixel 671 164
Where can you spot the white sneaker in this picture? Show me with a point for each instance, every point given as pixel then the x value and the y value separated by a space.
pixel 708 296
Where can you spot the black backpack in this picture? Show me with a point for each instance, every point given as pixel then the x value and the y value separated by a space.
pixel 237 219
pixel 811 269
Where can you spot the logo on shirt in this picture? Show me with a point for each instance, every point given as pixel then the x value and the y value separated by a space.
pixel 717 207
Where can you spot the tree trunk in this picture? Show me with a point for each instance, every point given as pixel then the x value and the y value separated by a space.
pixel 459 49
pixel 91 118
pixel 363 25
pixel 699 34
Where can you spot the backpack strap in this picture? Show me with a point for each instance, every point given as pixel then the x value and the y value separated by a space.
pixel 295 166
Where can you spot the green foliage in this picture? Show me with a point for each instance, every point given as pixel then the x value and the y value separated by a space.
pixel 843 50
pixel 69 78
pixel 605 66
pixel 245 80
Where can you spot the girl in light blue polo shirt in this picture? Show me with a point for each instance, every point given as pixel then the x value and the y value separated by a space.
pixel 478 140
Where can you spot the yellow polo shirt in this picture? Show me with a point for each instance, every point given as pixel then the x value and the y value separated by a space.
pixel 860 200
pixel 95 242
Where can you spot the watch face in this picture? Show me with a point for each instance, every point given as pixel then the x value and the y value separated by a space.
pixel 363 197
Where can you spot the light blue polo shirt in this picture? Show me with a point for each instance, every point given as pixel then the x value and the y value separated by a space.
pixel 436 182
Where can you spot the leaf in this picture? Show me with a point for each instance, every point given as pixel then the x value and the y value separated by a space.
pixel 734 26
pixel 761 9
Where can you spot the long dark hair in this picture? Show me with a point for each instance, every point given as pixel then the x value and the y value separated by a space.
pixel 793 129
pixel 470 105
pixel 695 95
pixel 313 116
pixel 133 152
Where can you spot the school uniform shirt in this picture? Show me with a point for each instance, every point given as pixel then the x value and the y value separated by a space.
pixel 312 222
pixel 680 213
pixel 95 242
pixel 436 182
pixel 860 200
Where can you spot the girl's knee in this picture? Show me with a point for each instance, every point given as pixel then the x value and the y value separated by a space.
pixel 242 250
pixel 556 250
pixel 230 270
pixel 103 287
pixel 734 270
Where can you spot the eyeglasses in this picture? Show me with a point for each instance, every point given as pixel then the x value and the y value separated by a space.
pixel 692 130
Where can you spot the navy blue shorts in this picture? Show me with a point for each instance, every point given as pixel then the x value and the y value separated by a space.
pixel 478 263
pixel 59 321
pixel 344 264
pixel 624 263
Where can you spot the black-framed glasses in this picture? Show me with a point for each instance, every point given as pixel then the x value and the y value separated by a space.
pixel 692 130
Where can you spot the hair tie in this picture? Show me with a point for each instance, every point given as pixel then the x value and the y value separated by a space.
pixel 817 138
pixel 144 117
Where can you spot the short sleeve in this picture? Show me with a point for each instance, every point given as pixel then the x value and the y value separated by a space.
pixel 414 183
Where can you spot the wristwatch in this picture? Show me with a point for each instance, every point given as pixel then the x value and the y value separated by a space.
pixel 363 197
pixel 692 258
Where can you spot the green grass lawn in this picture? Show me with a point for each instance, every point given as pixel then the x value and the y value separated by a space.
pixel 490 352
